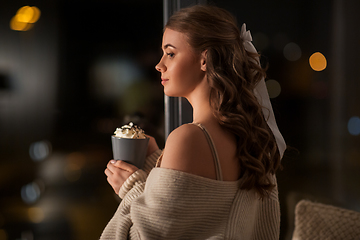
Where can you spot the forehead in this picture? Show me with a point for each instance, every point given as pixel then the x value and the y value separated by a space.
pixel 175 39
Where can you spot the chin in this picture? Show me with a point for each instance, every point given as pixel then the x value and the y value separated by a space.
pixel 171 94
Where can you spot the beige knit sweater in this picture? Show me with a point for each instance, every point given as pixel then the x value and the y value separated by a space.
pixel 178 205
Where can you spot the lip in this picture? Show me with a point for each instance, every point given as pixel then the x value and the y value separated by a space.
pixel 164 80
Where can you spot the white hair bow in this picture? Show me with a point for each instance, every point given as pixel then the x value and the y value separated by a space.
pixel 262 95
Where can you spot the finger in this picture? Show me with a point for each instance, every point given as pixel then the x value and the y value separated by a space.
pixel 125 166
pixel 108 172
pixel 117 168
pixel 111 166
pixel 109 180
pixel 111 162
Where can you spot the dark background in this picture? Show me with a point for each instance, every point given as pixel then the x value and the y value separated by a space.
pixel 86 67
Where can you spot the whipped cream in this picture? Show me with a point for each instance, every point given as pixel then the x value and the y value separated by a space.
pixel 130 131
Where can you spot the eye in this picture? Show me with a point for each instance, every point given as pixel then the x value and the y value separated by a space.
pixel 170 54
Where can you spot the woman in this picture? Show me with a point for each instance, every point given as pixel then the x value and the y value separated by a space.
pixel 215 178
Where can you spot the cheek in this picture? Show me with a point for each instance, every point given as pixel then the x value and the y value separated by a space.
pixel 178 70
pixel 183 79
pixel 187 68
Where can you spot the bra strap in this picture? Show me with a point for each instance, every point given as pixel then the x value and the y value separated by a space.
pixel 213 150
pixel 158 161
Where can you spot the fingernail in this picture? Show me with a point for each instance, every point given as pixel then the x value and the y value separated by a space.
pixel 113 161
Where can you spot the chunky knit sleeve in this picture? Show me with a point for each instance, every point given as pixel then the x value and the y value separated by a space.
pixel 173 205
pixel 140 175
pixel 178 205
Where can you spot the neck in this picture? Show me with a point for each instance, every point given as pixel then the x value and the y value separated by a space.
pixel 202 112
pixel 199 100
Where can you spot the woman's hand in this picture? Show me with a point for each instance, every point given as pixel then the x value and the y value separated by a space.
pixel 152 147
pixel 117 172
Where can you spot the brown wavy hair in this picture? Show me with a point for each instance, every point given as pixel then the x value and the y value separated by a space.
pixel 232 74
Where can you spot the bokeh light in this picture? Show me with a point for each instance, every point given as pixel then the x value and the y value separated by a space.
pixel 273 87
pixel 28 14
pixel 39 151
pixel 292 52
pixel 25 18
pixel 30 193
pixel 317 61
pixel 19 26
pixel 112 76
pixel 354 125
pixel 36 214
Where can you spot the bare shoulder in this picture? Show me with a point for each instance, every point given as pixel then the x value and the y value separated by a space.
pixel 187 150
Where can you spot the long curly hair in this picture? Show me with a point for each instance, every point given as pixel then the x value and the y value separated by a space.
pixel 232 74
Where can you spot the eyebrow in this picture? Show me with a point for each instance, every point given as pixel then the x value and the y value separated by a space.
pixel 169 45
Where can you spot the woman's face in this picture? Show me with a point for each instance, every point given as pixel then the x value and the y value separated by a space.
pixel 181 69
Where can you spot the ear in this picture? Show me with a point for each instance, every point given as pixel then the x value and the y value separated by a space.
pixel 203 60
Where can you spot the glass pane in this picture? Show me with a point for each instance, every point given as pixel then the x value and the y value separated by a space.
pixel 67 80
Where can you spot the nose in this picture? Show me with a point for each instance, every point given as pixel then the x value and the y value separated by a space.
pixel 160 66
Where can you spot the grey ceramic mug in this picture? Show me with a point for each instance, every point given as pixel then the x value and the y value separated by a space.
pixel 130 150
